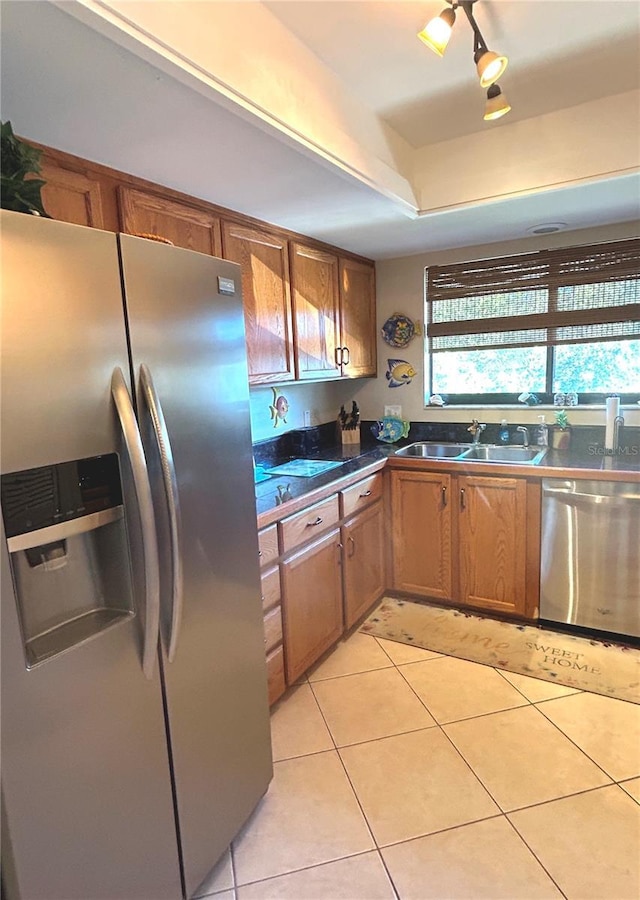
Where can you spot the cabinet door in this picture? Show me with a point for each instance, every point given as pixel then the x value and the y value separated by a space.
pixel 316 301
pixel 358 318
pixel 364 575
pixel 71 196
pixel 421 533
pixel 184 225
pixel 492 528
pixel 312 600
pixel 266 298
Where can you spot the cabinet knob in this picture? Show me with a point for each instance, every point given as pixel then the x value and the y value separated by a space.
pixel 317 521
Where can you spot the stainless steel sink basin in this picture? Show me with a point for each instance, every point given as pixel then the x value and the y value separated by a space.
pixel 433 449
pixel 499 454
pixel 493 453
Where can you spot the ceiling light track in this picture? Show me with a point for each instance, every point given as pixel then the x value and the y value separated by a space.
pixel 489 65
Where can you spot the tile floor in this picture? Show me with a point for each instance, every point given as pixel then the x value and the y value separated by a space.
pixel 401 773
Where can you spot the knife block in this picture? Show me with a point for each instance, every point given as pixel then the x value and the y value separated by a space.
pixel 350 435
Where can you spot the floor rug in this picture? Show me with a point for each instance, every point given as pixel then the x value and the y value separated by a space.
pixel 571 660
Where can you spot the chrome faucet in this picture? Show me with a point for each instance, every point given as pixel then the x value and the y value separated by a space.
pixel 476 430
pixel 525 432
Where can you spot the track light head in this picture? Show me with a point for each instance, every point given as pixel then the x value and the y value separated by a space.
pixel 497 104
pixel 437 32
pixel 490 66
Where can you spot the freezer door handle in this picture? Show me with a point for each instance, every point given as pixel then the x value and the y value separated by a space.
pixel 173 503
pixel 135 452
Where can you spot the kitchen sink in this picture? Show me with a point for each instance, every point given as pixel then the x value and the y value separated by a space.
pixel 506 454
pixel 431 449
pixel 474 452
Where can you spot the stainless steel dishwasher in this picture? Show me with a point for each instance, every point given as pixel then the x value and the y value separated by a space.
pixel 590 555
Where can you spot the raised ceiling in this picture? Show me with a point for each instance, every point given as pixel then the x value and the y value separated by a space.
pixel 331 119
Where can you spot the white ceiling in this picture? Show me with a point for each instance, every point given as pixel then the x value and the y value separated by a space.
pixel 558 51
pixel 68 86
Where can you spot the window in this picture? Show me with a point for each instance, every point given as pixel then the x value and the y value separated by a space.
pixel 565 320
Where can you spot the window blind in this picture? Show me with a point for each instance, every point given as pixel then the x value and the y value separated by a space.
pixel 568 296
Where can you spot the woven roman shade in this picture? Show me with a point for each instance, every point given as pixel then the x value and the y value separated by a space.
pixel 572 295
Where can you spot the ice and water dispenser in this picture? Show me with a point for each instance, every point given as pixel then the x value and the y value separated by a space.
pixel 68 547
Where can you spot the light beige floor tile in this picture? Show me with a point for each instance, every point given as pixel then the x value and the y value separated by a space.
pixel 414 784
pixel 485 859
pixel 224 895
pixel 361 877
pixel 219 879
pixel 632 788
pixel 588 843
pixel 308 816
pixel 405 653
pixel 370 705
pixel 536 689
pixel 359 653
pixel 608 730
pixel 521 758
pixel 297 726
pixel 455 688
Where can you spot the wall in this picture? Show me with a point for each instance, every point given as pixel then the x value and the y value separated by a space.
pixel 400 288
pixel 323 400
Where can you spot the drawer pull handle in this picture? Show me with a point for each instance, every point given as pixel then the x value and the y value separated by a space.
pixel 260 553
pixel 317 521
pixel 366 494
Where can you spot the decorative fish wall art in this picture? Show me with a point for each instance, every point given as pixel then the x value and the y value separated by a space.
pixel 279 408
pixel 399 372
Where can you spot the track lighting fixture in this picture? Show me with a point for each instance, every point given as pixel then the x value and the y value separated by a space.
pixel 437 32
pixel 489 65
pixel 496 105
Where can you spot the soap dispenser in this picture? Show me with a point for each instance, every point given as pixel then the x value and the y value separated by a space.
pixel 504 432
pixel 542 433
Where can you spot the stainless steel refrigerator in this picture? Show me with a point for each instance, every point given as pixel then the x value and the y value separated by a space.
pixel 135 728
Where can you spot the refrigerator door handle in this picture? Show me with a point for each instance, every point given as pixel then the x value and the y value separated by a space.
pixel 133 444
pixel 173 502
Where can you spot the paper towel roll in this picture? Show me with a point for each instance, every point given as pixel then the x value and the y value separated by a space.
pixel 613 411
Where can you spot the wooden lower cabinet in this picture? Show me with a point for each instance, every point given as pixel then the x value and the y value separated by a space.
pixel 493 543
pixel 363 562
pixel 312 597
pixel 466 539
pixel 421 530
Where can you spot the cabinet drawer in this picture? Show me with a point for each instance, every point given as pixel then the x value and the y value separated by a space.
pixel 268 544
pixel 275 674
pixel 361 494
pixel 270 584
pixel 305 525
pixel 273 629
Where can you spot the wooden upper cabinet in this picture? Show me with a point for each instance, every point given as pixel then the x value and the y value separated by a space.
pixel 358 317
pixel 184 225
pixel 493 543
pixel 316 311
pixel 263 257
pixel 71 196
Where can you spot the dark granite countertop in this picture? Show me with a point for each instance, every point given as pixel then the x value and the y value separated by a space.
pixel 586 458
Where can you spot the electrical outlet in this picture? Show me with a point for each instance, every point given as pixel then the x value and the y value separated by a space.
pixel 307 418
pixel 393 411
